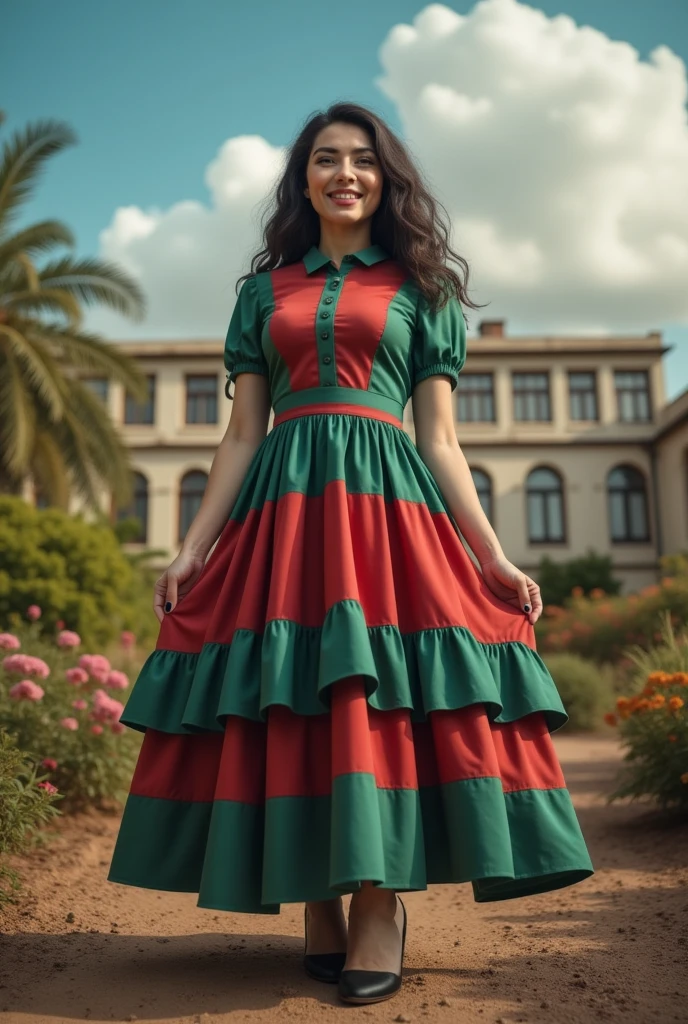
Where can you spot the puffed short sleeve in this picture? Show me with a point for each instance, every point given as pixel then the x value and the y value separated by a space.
pixel 439 344
pixel 243 349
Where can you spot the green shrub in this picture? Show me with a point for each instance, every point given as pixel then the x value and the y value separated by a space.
pixel 90 754
pixel 653 723
pixel 585 689
pixel 590 572
pixel 75 571
pixel 26 802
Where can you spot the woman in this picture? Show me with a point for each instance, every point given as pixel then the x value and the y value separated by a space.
pixel 340 701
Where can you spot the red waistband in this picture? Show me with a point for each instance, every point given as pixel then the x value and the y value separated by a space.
pixel 349 409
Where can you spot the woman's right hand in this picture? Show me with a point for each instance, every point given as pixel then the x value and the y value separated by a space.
pixel 176 581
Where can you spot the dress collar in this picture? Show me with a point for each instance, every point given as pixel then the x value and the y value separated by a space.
pixel 314 259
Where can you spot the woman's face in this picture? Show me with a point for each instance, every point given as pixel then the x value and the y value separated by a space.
pixel 343 161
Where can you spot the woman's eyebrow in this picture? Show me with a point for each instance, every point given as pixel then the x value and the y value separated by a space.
pixel 333 149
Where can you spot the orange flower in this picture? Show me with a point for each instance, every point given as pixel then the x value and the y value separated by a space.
pixel 675 703
pixel 650 591
pixel 658 701
pixel 658 678
pixel 681 678
pixel 684 778
pixel 596 593
pixel 610 718
pixel 667 581
pixel 577 592
pixel 642 705
pixel 672 738
pixel 622 702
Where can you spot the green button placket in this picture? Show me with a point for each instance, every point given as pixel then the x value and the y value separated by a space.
pixel 324 322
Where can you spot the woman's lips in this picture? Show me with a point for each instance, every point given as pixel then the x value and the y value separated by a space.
pixel 343 202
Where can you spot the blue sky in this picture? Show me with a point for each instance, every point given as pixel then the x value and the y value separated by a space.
pixel 154 89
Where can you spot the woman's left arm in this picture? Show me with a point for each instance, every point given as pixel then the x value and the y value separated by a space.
pixel 439 449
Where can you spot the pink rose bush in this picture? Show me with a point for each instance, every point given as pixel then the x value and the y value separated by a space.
pixel 88 758
pixel 27 690
pixel 67 638
pixel 26 665
pixel 76 676
pixel 96 665
pixel 33 612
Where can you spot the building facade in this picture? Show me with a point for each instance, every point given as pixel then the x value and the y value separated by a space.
pixel 570 440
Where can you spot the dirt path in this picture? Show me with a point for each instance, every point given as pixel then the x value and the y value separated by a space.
pixel 614 947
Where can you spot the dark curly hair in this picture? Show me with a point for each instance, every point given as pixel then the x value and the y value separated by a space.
pixel 409 223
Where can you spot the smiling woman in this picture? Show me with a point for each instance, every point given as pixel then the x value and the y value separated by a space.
pixel 339 700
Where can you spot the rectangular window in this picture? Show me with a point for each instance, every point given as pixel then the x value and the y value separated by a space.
pixel 632 395
pixel 201 398
pixel 531 397
pixel 136 412
pixel 99 386
pixel 582 395
pixel 476 398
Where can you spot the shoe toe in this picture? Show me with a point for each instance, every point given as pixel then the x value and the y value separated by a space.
pixel 367 986
pixel 324 966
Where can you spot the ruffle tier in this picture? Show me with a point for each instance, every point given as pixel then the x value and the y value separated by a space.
pixel 341 698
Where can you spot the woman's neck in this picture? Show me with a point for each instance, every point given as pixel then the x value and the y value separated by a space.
pixel 339 242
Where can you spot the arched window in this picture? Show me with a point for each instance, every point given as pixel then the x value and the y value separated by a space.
pixel 545 497
pixel 191 493
pixel 138 509
pixel 627 498
pixel 483 485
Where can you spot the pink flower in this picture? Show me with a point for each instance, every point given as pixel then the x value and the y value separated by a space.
pixel 127 639
pixel 27 690
pixel 49 763
pixel 76 676
pixel 105 708
pixel 48 787
pixel 69 723
pixel 96 729
pixel 9 642
pixel 66 638
pixel 80 704
pixel 118 727
pixel 117 680
pixel 26 665
pixel 34 612
pixel 96 665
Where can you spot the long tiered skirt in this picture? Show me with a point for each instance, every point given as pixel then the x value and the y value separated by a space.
pixel 340 698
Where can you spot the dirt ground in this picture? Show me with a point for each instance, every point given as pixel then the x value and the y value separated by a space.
pixel 614 947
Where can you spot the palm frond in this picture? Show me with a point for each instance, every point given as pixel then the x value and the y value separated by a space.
pixel 85 351
pixel 35 239
pixel 54 299
pixel 17 422
pixel 96 281
pixel 49 470
pixel 41 371
pixel 23 156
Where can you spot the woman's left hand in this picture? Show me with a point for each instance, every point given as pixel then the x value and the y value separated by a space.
pixel 513 586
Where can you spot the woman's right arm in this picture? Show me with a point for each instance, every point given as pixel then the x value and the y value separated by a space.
pixel 246 430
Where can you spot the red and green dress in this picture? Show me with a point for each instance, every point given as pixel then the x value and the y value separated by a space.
pixel 340 697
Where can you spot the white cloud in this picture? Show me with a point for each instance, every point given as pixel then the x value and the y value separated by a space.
pixel 561 156
pixel 187 258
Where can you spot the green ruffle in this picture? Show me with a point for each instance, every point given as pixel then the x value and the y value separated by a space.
pixel 294 665
pixel 253 857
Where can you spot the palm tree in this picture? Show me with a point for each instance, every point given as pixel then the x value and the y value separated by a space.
pixel 53 428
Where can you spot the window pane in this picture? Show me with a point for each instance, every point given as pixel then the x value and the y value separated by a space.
pixel 636 511
pixel 201 399
pixel 141 413
pixel 99 386
pixel 555 518
pixel 190 498
pixel 531 396
pixel 536 517
pixel 543 480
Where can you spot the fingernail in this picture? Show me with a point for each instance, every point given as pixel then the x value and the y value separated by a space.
pixel 168 606
pixel 526 607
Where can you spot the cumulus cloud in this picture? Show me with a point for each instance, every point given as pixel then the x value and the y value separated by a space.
pixel 561 156
pixel 187 258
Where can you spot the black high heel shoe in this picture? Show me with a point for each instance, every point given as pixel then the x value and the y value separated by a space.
pixel 372 986
pixel 325 967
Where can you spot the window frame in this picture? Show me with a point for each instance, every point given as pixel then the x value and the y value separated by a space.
pixel 625 492
pixel 189 395
pixel 529 491
pixel 130 404
pixel 634 392
pixel 181 496
pixel 516 394
pixel 476 395
pixel 594 391
pixel 490 492
pixel 128 513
